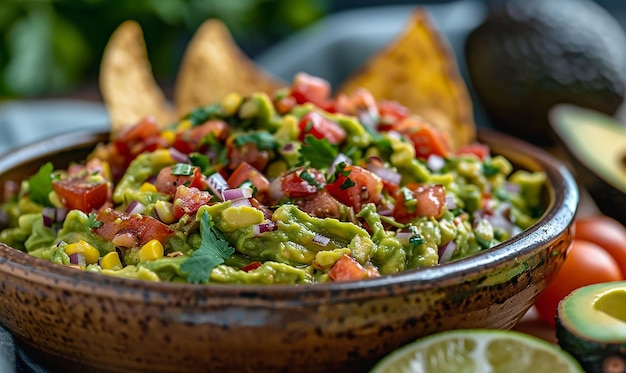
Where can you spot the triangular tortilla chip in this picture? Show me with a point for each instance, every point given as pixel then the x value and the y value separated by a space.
pixel 214 66
pixel 128 87
pixel 419 70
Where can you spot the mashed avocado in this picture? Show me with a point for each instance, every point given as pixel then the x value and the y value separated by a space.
pixel 285 189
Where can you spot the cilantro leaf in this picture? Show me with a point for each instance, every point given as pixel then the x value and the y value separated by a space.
pixel 213 250
pixel 199 160
pixel 263 140
pixel 40 185
pixel 319 153
pixel 347 183
pixel 92 223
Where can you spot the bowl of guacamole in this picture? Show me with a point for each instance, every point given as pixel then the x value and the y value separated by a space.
pixel 272 232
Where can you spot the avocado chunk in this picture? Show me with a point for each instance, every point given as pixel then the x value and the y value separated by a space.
pixel 596 145
pixel 591 325
pixel 526 56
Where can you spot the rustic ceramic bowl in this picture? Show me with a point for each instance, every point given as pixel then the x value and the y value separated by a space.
pixel 70 320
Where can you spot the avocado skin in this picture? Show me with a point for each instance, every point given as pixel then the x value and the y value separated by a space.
pixel 591 356
pixel 529 55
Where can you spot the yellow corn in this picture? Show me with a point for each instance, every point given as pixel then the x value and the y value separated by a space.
pixel 151 251
pixel 164 210
pixel 147 187
pixel 111 261
pixel 231 102
pixel 161 157
pixel 169 136
pixel 184 125
pixel 90 253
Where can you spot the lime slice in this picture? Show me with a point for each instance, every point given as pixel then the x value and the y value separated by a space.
pixel 480 351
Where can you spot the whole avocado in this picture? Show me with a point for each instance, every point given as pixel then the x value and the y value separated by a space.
pixel 528 55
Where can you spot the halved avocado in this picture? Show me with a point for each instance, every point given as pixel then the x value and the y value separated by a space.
pixel 596 144
pixel 591 325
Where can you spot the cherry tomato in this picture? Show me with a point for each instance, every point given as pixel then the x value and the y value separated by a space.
pixel 605 232
pixel 81 194
pixel 586 264
pixel 429 201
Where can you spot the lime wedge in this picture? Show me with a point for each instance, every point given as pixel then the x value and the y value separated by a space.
pixel 478 351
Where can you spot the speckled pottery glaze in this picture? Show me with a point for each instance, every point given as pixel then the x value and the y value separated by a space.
pixel 74 321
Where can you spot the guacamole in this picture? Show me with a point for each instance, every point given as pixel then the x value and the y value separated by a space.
pixel 292 188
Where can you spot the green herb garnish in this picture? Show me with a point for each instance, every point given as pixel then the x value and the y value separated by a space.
pixel 182 169
pixel 318 153
pixel 40 185
pixel 92 223
pixel 262 139
pixel 214 249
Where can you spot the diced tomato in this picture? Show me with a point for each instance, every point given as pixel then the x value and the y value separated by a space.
pixel 143 227
pixel 314 123
pixel 321 205
pixel 355 186
pixel 245 172
pixel 251 267
pixel 430 201
pixel 295 186
pixel 192 139
pixel 81 194
pixel 189 200
pixel 359 102
pixel 308 88
pixel 426 139
pixel 285 104
pixel 249 153
pixel 130 141
pixel 168 183
pixel 347 269
pixel 482 151
pixel 390 113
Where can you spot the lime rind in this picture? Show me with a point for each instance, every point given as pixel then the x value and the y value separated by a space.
pixel 480 351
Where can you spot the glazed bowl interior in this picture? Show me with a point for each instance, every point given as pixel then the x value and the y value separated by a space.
pixel 344 326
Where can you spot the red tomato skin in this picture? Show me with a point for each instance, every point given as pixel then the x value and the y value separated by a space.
pixel 431 200
pixel 189 200
pixel 482 151
pixel 347 269
pixel 143 227
pixel 248 153
pixel 320 127
pixel 425 137
pixel 191 140
pixel 585 264
pixel 77 193
pixel 244 172
pixel 605 232
pixel 168 183
pixel 391 112
pixel 295 186
pixel 367 187
pixel 308 88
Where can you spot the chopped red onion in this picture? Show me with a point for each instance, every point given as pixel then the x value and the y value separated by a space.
pixel 288 147
pixel 385 173
pixel 61 214
pixel 320 239
pixel 78 259
pixel 512 187
pixel 446 251
pixel 240 202
pixel 450 202
pixel 435 163
pixel 49 216
pixel 135 207
pixel 217 184
pixel 178 156
pixel 237 193
pixel 261 228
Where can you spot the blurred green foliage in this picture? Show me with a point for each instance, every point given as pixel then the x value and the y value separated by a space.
pixel 50 47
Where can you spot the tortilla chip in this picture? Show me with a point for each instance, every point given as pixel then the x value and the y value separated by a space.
pixel 128 87
pixel 419 70
pixel 214 66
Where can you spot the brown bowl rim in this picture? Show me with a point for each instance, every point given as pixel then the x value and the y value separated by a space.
pixel 560 213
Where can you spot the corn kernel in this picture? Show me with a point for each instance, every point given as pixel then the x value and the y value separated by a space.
pixel 90 253
pixel 161 157
pixel 54 199
pixel 151 251
pixel 169 136
pixel 184 125
pixel 147 187
pixel 164 211
pixel 231 102
pixel 111 261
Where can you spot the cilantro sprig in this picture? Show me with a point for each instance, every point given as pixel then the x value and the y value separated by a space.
pixel 213 251
pixel 40 185
pixel 319 153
